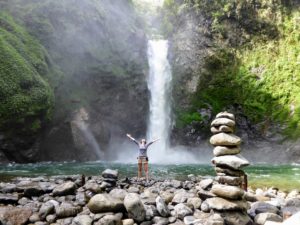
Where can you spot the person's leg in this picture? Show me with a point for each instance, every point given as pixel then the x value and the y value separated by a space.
pixel 139 168
pixel 146 170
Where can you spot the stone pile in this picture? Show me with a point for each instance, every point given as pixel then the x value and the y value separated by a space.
pixel 229 198
pixel 110 178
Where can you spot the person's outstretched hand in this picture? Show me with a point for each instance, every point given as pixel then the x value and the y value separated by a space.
pixel 128 135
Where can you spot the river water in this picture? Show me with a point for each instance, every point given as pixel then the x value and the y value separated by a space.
pixel 285 177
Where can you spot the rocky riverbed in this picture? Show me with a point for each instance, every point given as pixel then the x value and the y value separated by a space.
pixel 107 200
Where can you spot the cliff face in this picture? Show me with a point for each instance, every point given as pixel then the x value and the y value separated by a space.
pixel 94 62
pixel 240 56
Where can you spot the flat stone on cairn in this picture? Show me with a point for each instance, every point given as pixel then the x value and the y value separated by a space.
pixel 228 166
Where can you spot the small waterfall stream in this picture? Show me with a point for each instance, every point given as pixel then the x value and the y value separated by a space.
pixel 159 84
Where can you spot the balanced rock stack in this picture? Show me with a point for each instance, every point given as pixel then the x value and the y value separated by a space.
pixel 110 178
pixel 229 200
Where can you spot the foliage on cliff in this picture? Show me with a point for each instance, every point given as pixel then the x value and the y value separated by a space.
pixel 26 99
pixel 254 64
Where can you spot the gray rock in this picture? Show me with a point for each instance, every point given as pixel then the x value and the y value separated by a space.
pixel 33 190
pixel 46 209
pixel 51 218
pixel 236 218
pixel 261 218
pixel 215 219
pixel 205 194
pixel 206 183
pixel 182 210
pixel 262 207
pixel 223 128
pixel 151 212
pixel 230 180
pixel 8 188
pixel 291 206
pixel 63 189
pixel 133 190
pixel 176 184
pixel 160 220
pixel 8 198
pixel 81 198
pixel 108 173
pixel 134 207
pixel 128 222
pixel 23 201
pixel 229 192
pixel 229 172
pixel 115 219
pixel 226 115
pixel 180 196
pixel 162 207
pixel 105 203
pixel 194 203
pixel 118 193
pixel 223 150
pixel 224 204
pixel 225 139
pixel 223 121
pixel 93 187
pixel 82 220
pixel 67 210
pixel 34 218
pixel 232 161
pixel 167 196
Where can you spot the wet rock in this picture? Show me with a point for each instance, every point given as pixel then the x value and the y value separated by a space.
pixel 67 188
pixel 46 209
pixel 115 219
pixel 105 203
pixel 67 210
pixel 14 216
pixel 223 121
pixel 108 173
pixel 8 198
pixel 82 220
pixel 230 172
pixel 261 218
pixel 223 150
pixel 134 207
pixel 162 207
pixel 231 161
pixel 224 204
pixel 181 210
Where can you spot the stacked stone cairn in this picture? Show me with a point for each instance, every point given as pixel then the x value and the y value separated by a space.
pixel 229 195
pixel 110 178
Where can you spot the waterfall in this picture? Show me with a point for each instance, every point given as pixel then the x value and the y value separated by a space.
pixel 159 84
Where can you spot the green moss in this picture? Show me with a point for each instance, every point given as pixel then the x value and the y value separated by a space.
pixel 26 98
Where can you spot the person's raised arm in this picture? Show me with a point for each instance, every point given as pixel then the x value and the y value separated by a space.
pixel 151 142
pixel 131 138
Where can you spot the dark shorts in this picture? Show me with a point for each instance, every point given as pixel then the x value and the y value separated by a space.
pixel 142 159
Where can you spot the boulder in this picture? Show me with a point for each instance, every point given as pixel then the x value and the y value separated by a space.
pixel 134 207
pixel 63 189
pixel 108 173
pixel 105 203
pixel 260 219
pixel 225 115
pixel 223 121
pixel 181 210
pixel 232 161
pixel 82 220
pixel 224 150
pixel 229 192
pixel 222 204
pixel 14 216
pixel 161 206
pixel 225 139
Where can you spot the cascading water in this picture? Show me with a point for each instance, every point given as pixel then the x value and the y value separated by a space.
pixel 159 84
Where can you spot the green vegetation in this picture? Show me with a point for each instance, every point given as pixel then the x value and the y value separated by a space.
pixel 255 64
pixel 26 99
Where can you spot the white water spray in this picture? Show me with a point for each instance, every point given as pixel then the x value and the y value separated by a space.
pixel 159 84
